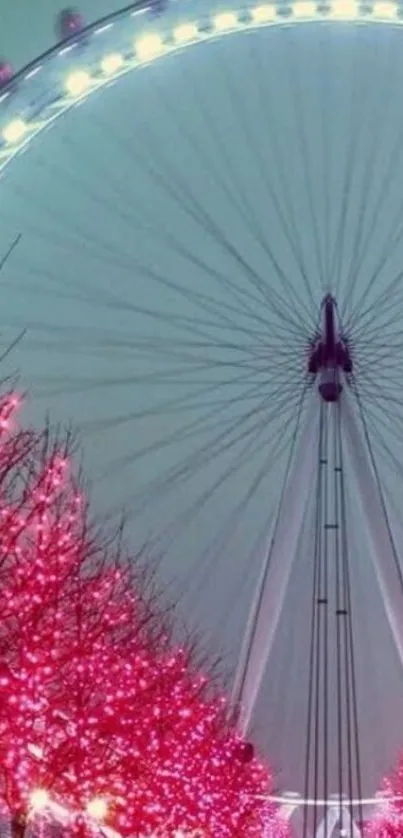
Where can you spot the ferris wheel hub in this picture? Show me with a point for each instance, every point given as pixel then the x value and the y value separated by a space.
pixel 329 355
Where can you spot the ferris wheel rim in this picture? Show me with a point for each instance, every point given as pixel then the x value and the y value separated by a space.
pixel 151 45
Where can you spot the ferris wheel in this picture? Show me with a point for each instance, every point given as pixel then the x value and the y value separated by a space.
pixel 202 216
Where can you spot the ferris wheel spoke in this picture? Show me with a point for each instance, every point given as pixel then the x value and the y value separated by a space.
pixel 158 231
pixel 378 396
pixel 383 416
pixel 197 325
pixel 385 450
pixel 146 271
pixel 376 358
pixel 379 372
pixel 386 184
pixel 222 441
pixel 199 214
pixel 214 552
pixel 197 399
pixel 178 526
pixel 360 173
pixel 222 444
pixel 120 260
pixel 326 92
pixel 372 316
pixel 240 583
pixel 335 264
pixel 185 404
pixel 394 240
pixel 251 448
pixel 366 219
pixel 376 336
pixel 235 188
pixel 175 186
pixel 201 386
pixel 12 344
pixel 294 86
pixel 239 107
pixel 172 374
pixel 374 346
pixel 247 128
pixel 172 360
pixel 193 353
pixel 190 324
pixel 264 94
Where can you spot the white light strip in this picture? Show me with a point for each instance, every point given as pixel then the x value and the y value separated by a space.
pixel 296 799
pixel 34 72
pixel 67 49
pixel 103 28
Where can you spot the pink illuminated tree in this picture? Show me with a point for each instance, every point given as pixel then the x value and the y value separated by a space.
pixel 387 821
pixel 100 714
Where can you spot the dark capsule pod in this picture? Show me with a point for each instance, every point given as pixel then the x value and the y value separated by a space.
pixel 69 22
pixel 6 73
pixel 158 7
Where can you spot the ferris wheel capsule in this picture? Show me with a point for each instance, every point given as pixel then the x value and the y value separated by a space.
pixel 69 22
pixel 6 73
pixel 158 7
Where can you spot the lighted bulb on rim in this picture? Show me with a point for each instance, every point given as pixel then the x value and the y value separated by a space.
pixel 111 63
pixel 14 131
pixel 344 9
pixel 224 21
pixel 185 33
pixel 149 47
pixel 77 83
pixel 264 14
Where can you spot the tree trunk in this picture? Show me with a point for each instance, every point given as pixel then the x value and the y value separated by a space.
pixel 18 825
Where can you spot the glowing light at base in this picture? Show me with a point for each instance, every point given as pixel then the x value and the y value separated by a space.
pixel 96 704
pixel 97 808
pixel 38 800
